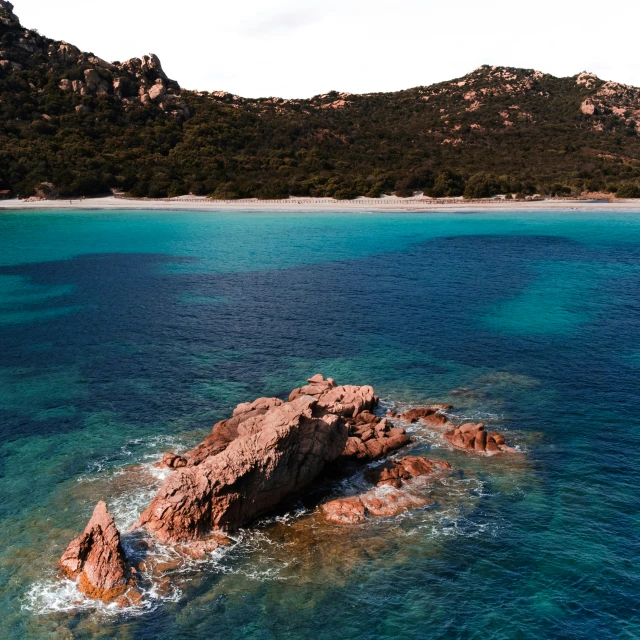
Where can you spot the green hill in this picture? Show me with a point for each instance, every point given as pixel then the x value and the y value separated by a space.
pixel 73 124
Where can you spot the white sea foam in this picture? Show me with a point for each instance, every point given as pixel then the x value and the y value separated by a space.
pixel 57 595
pixel 135 450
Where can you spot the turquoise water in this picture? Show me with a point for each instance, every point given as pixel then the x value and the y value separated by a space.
pixel 127 334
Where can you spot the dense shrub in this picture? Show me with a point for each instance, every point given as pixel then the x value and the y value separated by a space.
pixel 447 185
pixel 628 191
pixel 481 185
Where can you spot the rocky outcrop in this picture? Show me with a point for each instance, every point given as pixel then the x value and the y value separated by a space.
pixel 588 107
pixel 153 84
pixel 171 461
pixel 371 438
pixel 226 431
pixel 346 400
pixel 138 80
pixel 266 452
pixel 430 414
pixel 67 52
pixel 275 454
pixel 391 497
pixel 7 17
pixel 96 560
pixel 396 472
pixel 474 438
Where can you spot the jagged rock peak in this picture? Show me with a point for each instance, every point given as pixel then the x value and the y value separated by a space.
pixel 149 66
pixel 6 8
pixel 503 74
pixel 587 79
pixel 96 558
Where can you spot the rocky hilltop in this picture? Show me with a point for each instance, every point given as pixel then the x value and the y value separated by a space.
pixel 80 74
pixel 74 124
pixel 268 452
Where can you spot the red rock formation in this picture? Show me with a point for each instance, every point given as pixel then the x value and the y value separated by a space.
pixel 276 453
pixel 226 431
pixel 352 402
pixel 389 501
pixel 346 400
pixel 171 461
pixel 345 511
pixel 386 502
pixel 473 437
pixel 371 438
pixel 395 472
pixel 96 559
pixel 426 414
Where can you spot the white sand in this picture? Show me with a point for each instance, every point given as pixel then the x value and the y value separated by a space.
pixel 389 203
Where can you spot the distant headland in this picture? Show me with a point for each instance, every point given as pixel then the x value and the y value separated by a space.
pixel 75 125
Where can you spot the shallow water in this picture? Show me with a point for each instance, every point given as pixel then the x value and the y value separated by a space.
pixel 127 334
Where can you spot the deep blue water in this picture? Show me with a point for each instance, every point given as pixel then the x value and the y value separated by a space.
pixel 128 334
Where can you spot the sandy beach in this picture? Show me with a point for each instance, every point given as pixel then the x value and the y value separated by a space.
pixel 389 203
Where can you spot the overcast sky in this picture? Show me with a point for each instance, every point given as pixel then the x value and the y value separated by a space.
pixel 301 48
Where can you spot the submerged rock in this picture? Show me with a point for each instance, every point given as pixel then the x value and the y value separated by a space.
pixel 97 561
pixel 390 498
pixel 385 502
pixel 395 472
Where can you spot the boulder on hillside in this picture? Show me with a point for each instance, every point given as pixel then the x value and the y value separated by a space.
pixel 9 17
pixel 96 560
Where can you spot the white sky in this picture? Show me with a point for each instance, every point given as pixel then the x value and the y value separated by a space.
pixel 298 49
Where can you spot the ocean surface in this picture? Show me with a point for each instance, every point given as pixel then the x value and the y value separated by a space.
pixel 128 334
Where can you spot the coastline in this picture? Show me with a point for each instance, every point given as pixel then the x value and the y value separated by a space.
pixel 387 204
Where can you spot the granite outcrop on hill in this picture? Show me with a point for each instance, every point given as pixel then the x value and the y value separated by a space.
pixel 137 81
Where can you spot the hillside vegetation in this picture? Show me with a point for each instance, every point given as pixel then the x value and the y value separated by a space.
pixel 72 124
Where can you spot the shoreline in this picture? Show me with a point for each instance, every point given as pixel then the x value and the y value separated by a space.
pixel 387 204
